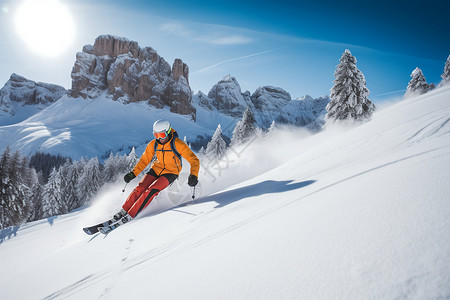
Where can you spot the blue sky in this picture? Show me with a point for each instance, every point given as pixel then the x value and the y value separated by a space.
pixel 294 45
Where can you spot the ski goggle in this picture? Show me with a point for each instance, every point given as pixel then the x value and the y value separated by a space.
pixel 162 135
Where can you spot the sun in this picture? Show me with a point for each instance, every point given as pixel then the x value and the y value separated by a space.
pixel 46 26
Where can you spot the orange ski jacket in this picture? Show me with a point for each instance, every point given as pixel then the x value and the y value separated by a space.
pixel 166 161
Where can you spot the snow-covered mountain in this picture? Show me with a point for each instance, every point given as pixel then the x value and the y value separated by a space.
pixel 77 128
pixel 354 213
pixel 267 103
pixel 119 89
pixel 21 98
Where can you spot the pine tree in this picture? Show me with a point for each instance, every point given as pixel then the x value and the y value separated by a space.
pixel 14 205
pixel 117 165
pixel 244 129
pixel 216 147
pixel 69 195
pixel 28 179
pixel 446 75
pixel 89 181
pixel 201 151
pixel 132 160
pixel 16 182
pixel 349 95
pixel 36 203
pixel 52 195
pixel 4 180
pixel 417 85
pixel 110 171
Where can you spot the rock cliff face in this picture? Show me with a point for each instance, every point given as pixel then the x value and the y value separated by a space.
pixel 226 97
pixel 19 91
pixel 267 103
pixel 129 73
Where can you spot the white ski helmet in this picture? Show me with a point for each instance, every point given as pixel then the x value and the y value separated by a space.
pixel 161 129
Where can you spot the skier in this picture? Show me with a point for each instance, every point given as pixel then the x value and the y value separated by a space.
pixel 164 152
pixel 164 170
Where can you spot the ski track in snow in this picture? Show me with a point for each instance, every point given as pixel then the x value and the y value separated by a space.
pixel 438 127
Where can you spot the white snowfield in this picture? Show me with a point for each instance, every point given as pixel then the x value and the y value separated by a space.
pixel 360 213
pixel 75 127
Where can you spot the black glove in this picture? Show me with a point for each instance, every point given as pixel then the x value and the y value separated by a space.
pixel 128 177
pixel 192 180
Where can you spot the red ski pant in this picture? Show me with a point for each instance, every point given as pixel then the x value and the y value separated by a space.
pixel 144 193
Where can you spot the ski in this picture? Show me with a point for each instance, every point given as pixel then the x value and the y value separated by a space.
pixel 94 229
pixel 108 228
pixel 116 218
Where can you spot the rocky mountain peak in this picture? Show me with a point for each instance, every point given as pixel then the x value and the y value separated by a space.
pixel 227 97
pixel 271 92
pixel 23 91
pixel 129 73
pixel 180 69
pixel 267 103
pixel 114 46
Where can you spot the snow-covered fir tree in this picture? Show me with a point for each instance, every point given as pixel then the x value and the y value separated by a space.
pixel 52 195
pixel 60 194
pixel 110 171
pixel 69 175
pixel 201 151
pixel 217 146
pixel 36 202
pixel 417 85
pixel 89 181
pixel 446 75
pixel 109 168
pixel 349 95
pixel 28 178
pixel 17 182
pixel 117 165
pixel 244 129
pixel 132 160
pixel 15 189
pixel 4 180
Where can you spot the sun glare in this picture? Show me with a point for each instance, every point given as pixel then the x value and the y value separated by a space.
pixel 45 26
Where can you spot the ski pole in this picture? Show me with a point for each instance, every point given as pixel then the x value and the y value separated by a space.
pixel 193 195
pixel 123 191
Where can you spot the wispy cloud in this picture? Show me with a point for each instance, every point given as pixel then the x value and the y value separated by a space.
pixel 213 35
pixel 230 40
pixel 232 59
pixel 176 29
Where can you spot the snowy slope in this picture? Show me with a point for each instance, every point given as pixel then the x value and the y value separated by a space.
pixel 76 127
pixel 358 213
